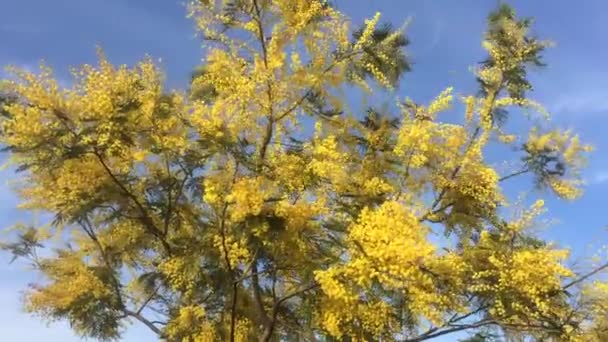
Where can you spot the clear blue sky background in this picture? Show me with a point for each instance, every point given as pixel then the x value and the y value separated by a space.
pixel 445 44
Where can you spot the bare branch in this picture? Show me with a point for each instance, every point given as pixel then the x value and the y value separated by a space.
pixel 515 174
pixel 145 321
pixel 586 276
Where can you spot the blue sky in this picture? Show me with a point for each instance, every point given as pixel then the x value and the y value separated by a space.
pixel 445 44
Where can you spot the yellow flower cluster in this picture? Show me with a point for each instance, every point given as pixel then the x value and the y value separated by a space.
pixel 552 140
pixel 491 76
pixel 375 186
pixel 388 247
pixel 366 35
pixel 526 218
pixel 71 281
pixel 190 325
pixel 236 249
pixel 522 103
pixel 182 273
pixel 441 103
pixel 595 302
pixel 415 140
pixel 358 321
pixel 328 161
pixel 216 184
pixel 124 237
pixel 289 170
pixel 203 187
pixel 565 188
pixel 479 184
pixel 298 14
pixel 383 236
pixel 248 197
pixel 470 106
pixel 425 141
pixel 68 188
pixel 519 289
pixel 569 150
pixel 299 215
pixel 242 331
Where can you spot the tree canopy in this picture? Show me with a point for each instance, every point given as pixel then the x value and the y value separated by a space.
pixel 259 204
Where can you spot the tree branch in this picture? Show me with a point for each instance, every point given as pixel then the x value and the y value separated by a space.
pixel 452 320
pixel 147 301
pixel 491 98
pixel 257 296
pixel 454 329
pixel 145 218
pixel 515 174
pixel 268 331
pixel 115 283
pixel 586 276
pixel 143 320
pixel 88 229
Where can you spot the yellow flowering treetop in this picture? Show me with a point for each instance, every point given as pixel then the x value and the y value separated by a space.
pixel 259 205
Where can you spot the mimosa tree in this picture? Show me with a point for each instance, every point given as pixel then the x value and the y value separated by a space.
pixel 260 205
